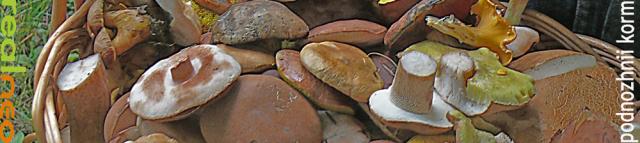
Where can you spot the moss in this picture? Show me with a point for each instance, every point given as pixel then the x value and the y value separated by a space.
pixel 207 17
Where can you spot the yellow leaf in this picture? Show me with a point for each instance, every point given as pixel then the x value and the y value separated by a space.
pixel 385 1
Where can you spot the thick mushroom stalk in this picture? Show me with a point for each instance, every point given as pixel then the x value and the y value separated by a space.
pixel 414 97
pixel 132 28
pixel 412 86
pixel 83 87
pixel 455 68
pixel 185 26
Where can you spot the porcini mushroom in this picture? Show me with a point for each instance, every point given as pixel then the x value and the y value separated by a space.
pixel 558 101
pixel 83 87
pixel 343 67
pixel 260 108
pixel 185 25
pixel 549 63
pixel 184 131
pixel 188 79
pixel 250 61
pixel 454 70
pixel 119 118
pixel 525 39
pixel 132 28
pixel 355 32
pixel 324 96
pixel 410 102
pixel 258 21
pixel 491 30
pixel 341 128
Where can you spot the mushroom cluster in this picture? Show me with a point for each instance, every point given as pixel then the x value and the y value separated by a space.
pixel 356 71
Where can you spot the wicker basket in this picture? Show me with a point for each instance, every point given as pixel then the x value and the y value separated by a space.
pixel 553 36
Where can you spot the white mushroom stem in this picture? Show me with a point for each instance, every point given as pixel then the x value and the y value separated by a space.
pixel 412 88
pixel 525 39
pixel 455 68
pixel 83 87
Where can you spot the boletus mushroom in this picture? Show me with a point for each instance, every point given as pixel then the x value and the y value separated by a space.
pixel 260 108
pixel 324 96
pixel 588 128
pixel 186 80
pixel 341 128
pixel 559 100
pixel 84 90
pixel 410 102
pixel 250 61
pixel 343 67
pixel 354 32
pixel 132 28
pixel 258 21
pixel 185 25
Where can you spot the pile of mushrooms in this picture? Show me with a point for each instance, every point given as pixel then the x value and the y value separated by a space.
pixel 377 71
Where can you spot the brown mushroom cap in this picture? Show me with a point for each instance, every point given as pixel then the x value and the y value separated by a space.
pixel 186 80
pixel 261 109
pixel 250 61
pixel 588 128
pixel 257 20
pixel 355 32
pixel 343 67
pixel 293 72
pixel 391 12
pixel 341 128
pixel 184 131
pixel 559 100
pixel 119 118
pixel 386 68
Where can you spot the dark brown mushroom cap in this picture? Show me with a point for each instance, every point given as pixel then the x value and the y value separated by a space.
pixel 342 128
pixel 119 118
pixel 343 67
pixel 386 68
pixel 355 32
pixel 260 108
pixel 184 131
pixel 411 27
pixel 184 81
pixel 257 20
pixel 293 72
pixel 390 12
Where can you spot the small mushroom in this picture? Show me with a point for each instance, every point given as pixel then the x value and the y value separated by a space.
pixel 324 96
pixel 132 28
pixel 185 25
pixel 260 108
pixel 525 39
pixel 490 31
pixel 258 21
pixel 559 100
pixel 410 102
pixel 341 128
pixel 549 63
pixel 386 67
pixel 186 80
pixel 154 138
pixel 83 87
pixel 250 61
pixel 343 67
pixel 119 118
pixel 354 32
pixel 411 27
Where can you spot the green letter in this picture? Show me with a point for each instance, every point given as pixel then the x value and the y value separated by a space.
pixel 8 57
pixel 8 26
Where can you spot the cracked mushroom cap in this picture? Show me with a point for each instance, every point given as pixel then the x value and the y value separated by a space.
pixel 260 108
pixel 258 20
pixel 343 67
pixel 186 80
pixel 293 72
